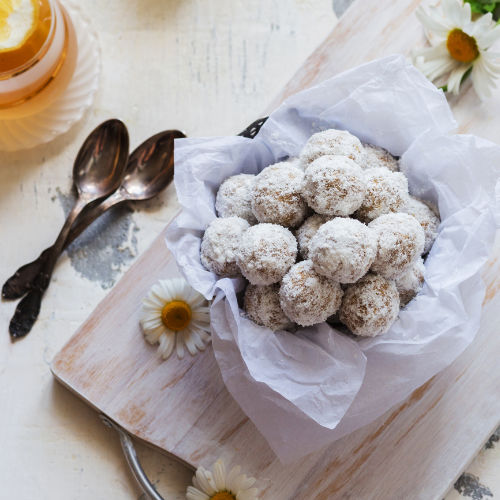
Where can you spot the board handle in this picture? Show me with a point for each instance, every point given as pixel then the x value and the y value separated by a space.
pixel 132 459
pixel 254 128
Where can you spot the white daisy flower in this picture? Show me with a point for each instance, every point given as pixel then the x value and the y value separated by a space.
pixel 459 45
pixel 217 485
pixel 176 316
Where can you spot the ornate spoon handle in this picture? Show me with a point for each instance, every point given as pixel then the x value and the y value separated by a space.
pixel 22 281
pixel 29 307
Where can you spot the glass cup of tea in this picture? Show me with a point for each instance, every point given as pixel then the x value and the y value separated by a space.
pixel 35 57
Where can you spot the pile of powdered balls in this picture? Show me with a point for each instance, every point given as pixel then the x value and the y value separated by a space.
pixel 330 236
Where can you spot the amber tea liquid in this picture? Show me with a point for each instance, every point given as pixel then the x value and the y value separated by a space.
pixel 34 37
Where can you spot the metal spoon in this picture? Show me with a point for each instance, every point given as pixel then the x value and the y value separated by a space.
pixel 97 172
pixel 149 170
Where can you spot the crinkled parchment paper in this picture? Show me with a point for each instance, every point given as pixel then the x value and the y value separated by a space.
pixel 308 389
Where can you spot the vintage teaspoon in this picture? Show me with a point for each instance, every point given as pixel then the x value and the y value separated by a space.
pixel 97 172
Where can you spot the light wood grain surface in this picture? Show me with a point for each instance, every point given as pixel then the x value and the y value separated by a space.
pixel 434 434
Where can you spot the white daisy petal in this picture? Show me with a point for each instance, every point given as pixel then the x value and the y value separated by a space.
pixel 250 494
pixel 245 483
pixel 491 59
pixel 455 78
pixel 232 478
pixel 151 323
pixel 204 481
pixel 432 23
pixel 198 340
pixel 201 322
pixel 189 343
pixel 487 39
pixel 481 81
pixel 195 494
pixel 156 327
pixel 153 335
pixel 179 347
pixel 219 472
pixel 454 12
pixel 480 26
pixel 218 481
pixel 466 12
pixel 438 67
pixel 166 347
pixel 160 294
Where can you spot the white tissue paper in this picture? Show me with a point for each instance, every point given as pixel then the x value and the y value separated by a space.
pixel 305 390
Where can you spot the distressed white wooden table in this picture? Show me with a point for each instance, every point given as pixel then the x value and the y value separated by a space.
pixel 207 67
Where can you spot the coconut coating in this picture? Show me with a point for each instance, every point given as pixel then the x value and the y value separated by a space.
pixel 376 157
pixel 266 253
pixel 410 282
pixel 400 242
pixel 370 306
pixel 308 298
pixel 294 161
pixel 343 250
pixel 386 192
pixel 332 142
pixel 234 197
pixel 262 305
pixel 220 245
pixel 276 196
pixel 306 231
pixel 334 186
pixel 427 218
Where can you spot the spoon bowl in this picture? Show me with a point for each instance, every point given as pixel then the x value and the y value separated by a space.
pixel 150 167
pixel 148 171
pixel 107 145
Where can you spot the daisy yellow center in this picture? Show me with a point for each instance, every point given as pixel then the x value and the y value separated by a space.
pixel 176 315
pixel 223 495
pixel 461 46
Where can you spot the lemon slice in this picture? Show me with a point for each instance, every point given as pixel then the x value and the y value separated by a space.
pixel 17 22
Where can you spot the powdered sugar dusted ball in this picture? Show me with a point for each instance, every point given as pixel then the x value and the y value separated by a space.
pixel 276 196
pixel 234 197
pixel 294 161
pixel 343 249
pixel 307 230
pixel 370 306
pixel 400 242
pixel 262 305
pixel 307 297
pixel 332 142
pixel 220 244
pixel 386 192
pixel 376 157
pixel 266 253
pixel 427 218
pixel 334 185
pixel 410 282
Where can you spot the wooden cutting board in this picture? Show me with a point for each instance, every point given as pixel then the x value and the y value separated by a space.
pixel 415 451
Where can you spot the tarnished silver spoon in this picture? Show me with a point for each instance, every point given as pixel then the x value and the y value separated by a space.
pixel 149 170
pixel 97 172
